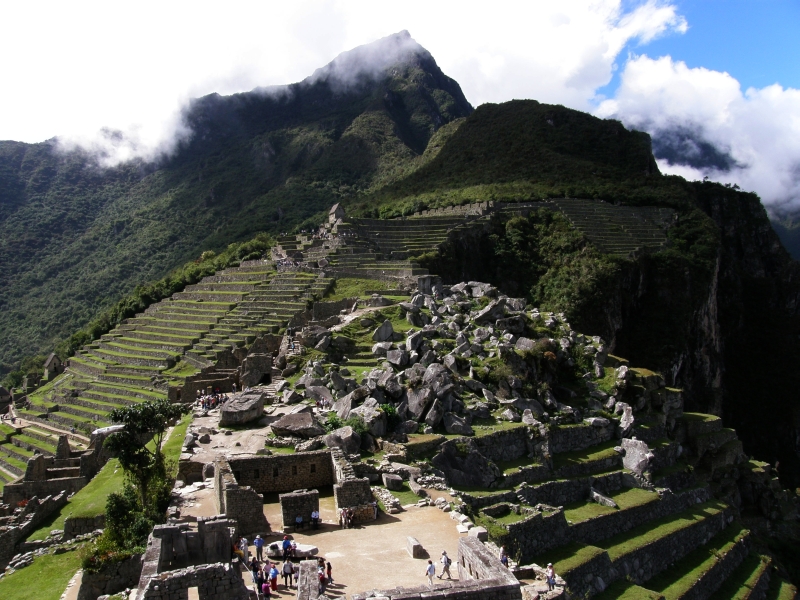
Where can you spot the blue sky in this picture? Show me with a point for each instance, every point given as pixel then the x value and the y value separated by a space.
pixel 755 41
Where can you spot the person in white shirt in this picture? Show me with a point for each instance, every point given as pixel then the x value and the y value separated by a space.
pixel 430 572
pixel 315 519
pixel 445 565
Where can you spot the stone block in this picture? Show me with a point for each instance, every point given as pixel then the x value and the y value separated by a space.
pixel 414 548
pixel 393 482
pixel 480 533
pixel 242 408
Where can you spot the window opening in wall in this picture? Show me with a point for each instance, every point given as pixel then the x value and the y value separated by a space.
pixel 313 468
pixel 237 475
pixel 294 469
pixel 275 471
pixel 255 474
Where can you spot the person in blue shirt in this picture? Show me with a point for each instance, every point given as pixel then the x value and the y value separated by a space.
pixel 259 544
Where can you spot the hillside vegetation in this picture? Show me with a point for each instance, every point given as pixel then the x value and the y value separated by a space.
pixel 75 238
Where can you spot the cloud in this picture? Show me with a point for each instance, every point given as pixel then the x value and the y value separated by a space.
pixel 703 124
pixel 79 70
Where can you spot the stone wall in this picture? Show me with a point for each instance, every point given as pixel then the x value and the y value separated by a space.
pixel 75 526
pixel 510 444
pixel 284 472
pixel 307 581
pixel 320 311
pixel 111 578
pixel 239 502
pixel 299 502
pixel 355 494
pixel 14 528
pixel 569 438
pixel 21 490
pixel 213 582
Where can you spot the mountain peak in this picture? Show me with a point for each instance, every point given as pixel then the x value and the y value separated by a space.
pixel 371 60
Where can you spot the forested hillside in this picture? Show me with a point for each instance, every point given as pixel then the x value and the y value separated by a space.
pixel 75 237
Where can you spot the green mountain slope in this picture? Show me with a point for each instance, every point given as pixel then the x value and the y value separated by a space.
pixel 75 237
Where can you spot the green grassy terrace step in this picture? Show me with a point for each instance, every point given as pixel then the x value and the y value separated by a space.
pixel 10 463
pixel 177 338
pixel 749 580
pixel 780 589
pixel 29 443
pixel 625 590
pixel 166 346
pixel 595 459
pixel 707 517
pixel 48 437
pixel 135 349
pixel 99 414
pixel 135 390
pixel 15 452
pixel 703 571
pixel 131 358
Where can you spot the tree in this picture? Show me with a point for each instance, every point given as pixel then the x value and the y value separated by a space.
pixel 138 445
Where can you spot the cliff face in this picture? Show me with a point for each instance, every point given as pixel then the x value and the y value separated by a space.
pixel 718 318
pixel 737 327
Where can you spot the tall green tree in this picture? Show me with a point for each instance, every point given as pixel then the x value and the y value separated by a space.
pixel 138 444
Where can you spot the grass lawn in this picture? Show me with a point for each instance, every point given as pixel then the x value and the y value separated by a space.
pixel 583 511
pixel 406 496
pixel 45 579
pixel 512 466
pixel 91 500
pixel 350 287
pixel 486 426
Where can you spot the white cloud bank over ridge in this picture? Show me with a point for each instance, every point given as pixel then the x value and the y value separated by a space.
pixel 756 132
pixel 86 71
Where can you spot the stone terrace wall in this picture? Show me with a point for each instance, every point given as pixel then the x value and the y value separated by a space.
pixel 75 526
pixel 21 490
pixel 284 472
pixel 510 444
pixel 351 491
pixel 570 438
pixel 112 578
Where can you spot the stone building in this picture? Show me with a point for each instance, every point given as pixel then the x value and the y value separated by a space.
pixel 52 367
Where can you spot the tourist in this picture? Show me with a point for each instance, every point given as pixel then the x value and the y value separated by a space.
pixel 298 522
pixel 330 569
pixel 287 548
pixel 265 589
pixel 293 551
pixel 233 387
pixel 237 550
pixel 259 544
pixel 445 565
pixel 254 565
pixel 350 515
pixel 322 580
pixel 315 519
pixel 430 572
pixel 273 577
pixel 503 556
pixel 375 509
pixel 288 573
pixel 244 548
pixel 550 576
pixel 259 580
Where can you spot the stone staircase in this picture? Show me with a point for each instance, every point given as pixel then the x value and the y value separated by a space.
pixel 618 230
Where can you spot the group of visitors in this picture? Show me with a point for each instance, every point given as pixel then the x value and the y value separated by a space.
pixel 346 516
pixel 287 264
pixel 210 400
pixel 265 576
pixel 324 574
